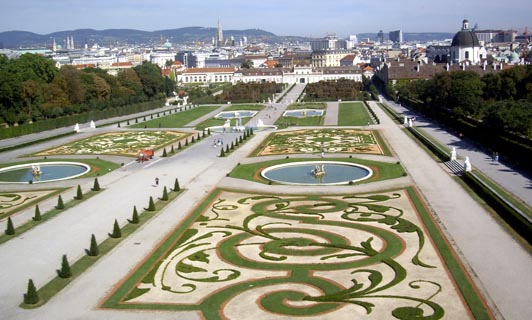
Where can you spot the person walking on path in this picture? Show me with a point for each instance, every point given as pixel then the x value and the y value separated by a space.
pixel 156 181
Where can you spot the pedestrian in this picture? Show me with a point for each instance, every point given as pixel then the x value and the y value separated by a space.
pixel 156 181
pixel 496 157
pixel 323 152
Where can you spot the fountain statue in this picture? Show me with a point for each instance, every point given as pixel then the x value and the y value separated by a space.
pixel 36 170
pixel 319 170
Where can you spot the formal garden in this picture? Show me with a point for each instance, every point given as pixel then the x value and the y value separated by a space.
pixel 214 122
pixel 314 141
pixel 304 118
pixel 124 143
pixel 377 256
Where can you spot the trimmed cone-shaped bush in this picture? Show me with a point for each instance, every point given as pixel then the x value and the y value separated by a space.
pixel 226 148
pixel 37 216
pixel 165 194
pixel 93 249
pixel 176 185
pixel 232 146
pixel 236 142
pixel 192 140
pixel 119 124
pixel 172 149
pixel 135 216
pixel 65 269
pixel 222 152
pixel 164 153
pixel 240 139
pixel 127 122
pixel 151 205
pixel 117 233
pixel 186 142
pixel 79 193
pixel 144 118
pixel 10 230
pixel 31 296
pixel 199 138
pixel 60 205
pixel 179 145
pixel 209 131
pixel 96 186
pixel 251 131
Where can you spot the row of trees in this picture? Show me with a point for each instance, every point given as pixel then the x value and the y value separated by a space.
pixel 344 89
pixel 240 92
pixel 33 88
pixel 499 100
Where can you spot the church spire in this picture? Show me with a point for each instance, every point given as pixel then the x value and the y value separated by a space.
pixel 220 34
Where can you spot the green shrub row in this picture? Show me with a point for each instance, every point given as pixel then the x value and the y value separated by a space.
pixel 377 120
pixel 50 124
pixel 517 219
pixel 35 298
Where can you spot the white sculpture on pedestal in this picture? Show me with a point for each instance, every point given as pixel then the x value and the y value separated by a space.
pixel 405 122
pixel 93 125
pixel 467 165
pixel 76 127
pixel 410 122
pixel 453 154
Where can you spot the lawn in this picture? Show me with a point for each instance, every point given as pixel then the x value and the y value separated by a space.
pixel 309 105
pixel 381 170
pixel 176 120
pixel 353 114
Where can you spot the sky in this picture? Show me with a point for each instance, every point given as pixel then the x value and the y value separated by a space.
pixel 311 18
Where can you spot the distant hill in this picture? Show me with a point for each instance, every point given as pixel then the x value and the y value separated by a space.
pixel 18 39
pixel 24 39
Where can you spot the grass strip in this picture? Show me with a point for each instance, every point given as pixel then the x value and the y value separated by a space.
pixel 353 114
pixel 176 120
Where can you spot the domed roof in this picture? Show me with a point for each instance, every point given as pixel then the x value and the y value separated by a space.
pixel 465 37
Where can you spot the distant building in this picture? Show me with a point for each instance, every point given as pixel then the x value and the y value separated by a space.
pixel 380 36
pixel 328 58
pixel 495 36
pixel 207 75
pixel 465 45
pixel 330 42
pixel 160 58
pixel 396 36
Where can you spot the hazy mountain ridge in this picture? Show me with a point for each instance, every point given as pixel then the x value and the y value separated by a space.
pixel 20 39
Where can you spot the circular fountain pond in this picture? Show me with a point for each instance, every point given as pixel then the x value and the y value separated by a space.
pixel 317 173
pixel 38 172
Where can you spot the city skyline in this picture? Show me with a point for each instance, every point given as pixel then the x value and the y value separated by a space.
pixel 297 17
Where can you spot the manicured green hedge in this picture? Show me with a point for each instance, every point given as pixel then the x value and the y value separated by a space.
pixel 512 215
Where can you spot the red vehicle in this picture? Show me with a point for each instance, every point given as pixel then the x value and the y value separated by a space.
pixel 145 155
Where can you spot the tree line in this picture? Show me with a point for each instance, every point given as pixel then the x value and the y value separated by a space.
pixel 502 101
pixel 32 88
pixel 344 89
pixel 237 93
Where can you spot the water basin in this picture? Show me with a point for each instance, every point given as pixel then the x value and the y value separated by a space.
pixel 48 171
pixel 302 113
pixel 300 173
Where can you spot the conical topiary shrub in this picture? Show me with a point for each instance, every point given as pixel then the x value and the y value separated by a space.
pixel 10 230
pixel 127 122
pixel 79 193
pixel 226 148
pixel 31 296
pixel 240 139
pixel 93 249
pixel 232 146
pixel 136 120
pixel 164 153
pixel 119 124
pixel 199 138
pixel 209 131
pixel 151 205
pixel 222 152
pixel 172 149
pixel 186 142
pixel 60 205
pixel 144 118
pixel 176 185
pixel 117 233
pixel 37 216
pixel 135 216
pixel 179 145
pixel 165 194
pixel 65 269
pixel 96 186
pixel 192 140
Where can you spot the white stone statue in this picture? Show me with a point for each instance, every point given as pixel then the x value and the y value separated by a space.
pixel 467 165
pixel 76 127
pixel 260 123
pixel 405 122
pixel 410 122
pixel 453 154
pixel 93 125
